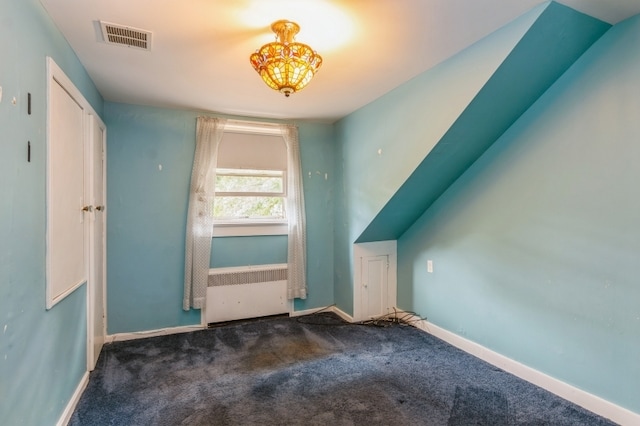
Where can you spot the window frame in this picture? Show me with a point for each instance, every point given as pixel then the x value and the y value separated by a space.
pixel 253 226
pixel 253 221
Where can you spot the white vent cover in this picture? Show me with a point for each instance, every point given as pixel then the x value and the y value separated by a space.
pixel 247 275
pixel 126 36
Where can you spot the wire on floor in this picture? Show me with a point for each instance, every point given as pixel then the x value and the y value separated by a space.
pixel 395 318
pixel 324 316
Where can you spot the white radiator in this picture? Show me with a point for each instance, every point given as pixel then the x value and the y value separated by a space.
pixel 246 292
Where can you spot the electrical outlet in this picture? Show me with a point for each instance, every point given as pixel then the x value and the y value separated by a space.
pixel 430 266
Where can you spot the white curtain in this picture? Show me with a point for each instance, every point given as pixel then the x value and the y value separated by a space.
pixel 209 133
pixel 297 243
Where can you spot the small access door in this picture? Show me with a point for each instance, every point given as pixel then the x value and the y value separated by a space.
pixel 374 286
pixel 374 279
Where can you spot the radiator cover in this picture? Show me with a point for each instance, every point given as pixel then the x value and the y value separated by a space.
pixel 247 275
pixel 246 292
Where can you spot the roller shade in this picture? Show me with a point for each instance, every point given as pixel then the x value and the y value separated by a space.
pixel 252 151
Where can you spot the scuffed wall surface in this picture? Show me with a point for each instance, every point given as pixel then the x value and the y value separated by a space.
pixel 42 353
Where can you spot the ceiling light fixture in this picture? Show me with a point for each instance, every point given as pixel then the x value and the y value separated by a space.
pixel 285 65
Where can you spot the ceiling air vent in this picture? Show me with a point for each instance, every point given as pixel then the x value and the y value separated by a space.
pixel 126 36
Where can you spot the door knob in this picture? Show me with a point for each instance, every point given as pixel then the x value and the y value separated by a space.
pixel 100 208
pixel 87 209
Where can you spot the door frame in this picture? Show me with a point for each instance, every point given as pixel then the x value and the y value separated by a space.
pixel 55 75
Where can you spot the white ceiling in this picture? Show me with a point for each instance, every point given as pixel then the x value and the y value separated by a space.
pixel 200 48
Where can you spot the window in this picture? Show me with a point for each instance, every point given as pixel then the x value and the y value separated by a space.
pixel 250 195
pixel 250 188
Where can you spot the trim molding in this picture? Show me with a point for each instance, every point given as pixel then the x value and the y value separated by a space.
pixel 342 314
pixel 118 337
pixel 71 405
pixel 330 308
pixel 293 313
pixel 564 390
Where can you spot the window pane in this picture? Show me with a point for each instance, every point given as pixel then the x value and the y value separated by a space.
pixel 239 207
pixel 250 181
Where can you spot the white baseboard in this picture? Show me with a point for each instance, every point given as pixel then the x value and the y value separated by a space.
pixel 342 314
pixel 118 337
pixel 330 308
pixel 71 405
pixel 564 390
pixel 309 311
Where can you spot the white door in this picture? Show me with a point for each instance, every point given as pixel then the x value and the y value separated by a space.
pixel 374 286
pixel 96 284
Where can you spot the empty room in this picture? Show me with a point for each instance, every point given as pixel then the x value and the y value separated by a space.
pixel 254 212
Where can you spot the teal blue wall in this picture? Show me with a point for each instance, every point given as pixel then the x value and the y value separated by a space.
pixel 558 37
pixel 317 147
pixel 535 248
pixel 405 124
pixel 146 216
pixel 148 209
pixel 243 251
pixel 42 353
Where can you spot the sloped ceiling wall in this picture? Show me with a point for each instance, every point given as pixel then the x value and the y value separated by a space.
pixel 397 155
pixel 556 39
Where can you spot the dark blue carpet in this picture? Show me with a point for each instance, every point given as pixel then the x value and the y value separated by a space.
pixel 312 371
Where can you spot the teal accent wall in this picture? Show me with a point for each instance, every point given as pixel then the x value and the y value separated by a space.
pixel 147 211
pixel 535 247
pixel 249 250
pixel 317 147
pixel 42 353
pixel 404 126
pixel 149 157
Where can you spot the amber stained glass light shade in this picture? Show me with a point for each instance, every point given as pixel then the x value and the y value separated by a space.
pixel 285 65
